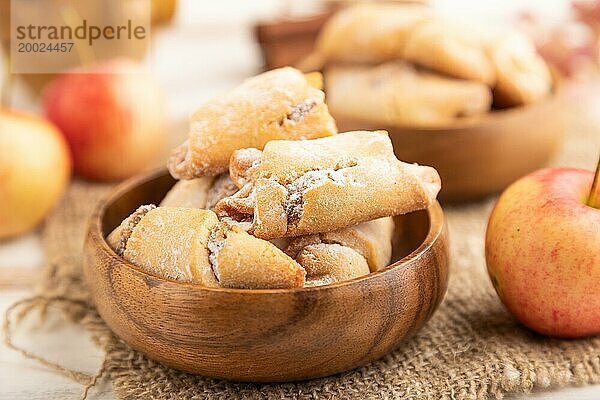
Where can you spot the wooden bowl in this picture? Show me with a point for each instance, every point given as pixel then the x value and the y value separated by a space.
pixel 265 335
pixel 478 157
pixel 288 40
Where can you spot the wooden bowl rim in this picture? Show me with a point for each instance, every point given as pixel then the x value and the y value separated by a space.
pixel 493 116
pixel 436 229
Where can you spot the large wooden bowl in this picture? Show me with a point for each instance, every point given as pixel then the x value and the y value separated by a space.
pixel 478 157
pixel 265 335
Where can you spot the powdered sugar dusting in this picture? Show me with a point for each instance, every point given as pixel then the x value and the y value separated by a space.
pixel 222 187
pixel 216 241
pixel 300 110
pixel 129 225
pixel 268 106
pixel 310 180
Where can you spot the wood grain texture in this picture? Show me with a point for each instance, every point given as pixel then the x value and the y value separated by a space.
pixel 481 156
pixel 265 335
pixel 287 41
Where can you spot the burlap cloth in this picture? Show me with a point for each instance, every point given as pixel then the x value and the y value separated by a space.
pixel 470 349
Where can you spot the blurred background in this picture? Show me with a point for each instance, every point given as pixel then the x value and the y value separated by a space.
pixel 202 49
pixel 198 50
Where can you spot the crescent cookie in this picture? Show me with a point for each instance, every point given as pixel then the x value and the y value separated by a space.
pixel 397 94
pixel 192 193
pixel 321 185
pixel 372 240
pixel 369 33
pixel 343 254
pixel 330 263
pixel 240 260
pixel 191 245
pixel 449 48
pixel 279 104
pixel 376 33
pixel 202 192
pixel 523 77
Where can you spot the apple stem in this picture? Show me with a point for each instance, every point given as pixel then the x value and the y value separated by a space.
pixel 595 191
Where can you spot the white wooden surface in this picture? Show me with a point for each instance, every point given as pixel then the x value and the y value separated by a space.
pixel 208 50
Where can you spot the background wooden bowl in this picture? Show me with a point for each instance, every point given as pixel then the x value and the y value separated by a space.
pixel 480 156
pixel 265 335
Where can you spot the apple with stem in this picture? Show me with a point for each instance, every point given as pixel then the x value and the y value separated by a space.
pixel 542 251
pixel 594 197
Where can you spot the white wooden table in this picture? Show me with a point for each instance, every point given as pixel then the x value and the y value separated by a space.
pixel 206 51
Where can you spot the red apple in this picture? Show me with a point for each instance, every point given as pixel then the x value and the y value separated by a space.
pixel 543 252
pixel 34 170
pixel 113 118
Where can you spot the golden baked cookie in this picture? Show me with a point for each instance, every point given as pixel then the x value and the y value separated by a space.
pixel 398 94
pixel 222 187
pixel 523 77
pixel 117 239
pixel 372 240
pixel 191 245
pixel 191 193
pixel 243 261
pixel 202 192
pixel 451 49
pixel 369 33
pixel 329 263
pixel 171 242
pixel 321 185
pixel 278 104
pixel 244 164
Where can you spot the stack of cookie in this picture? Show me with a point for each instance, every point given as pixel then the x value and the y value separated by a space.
pixel 270 196
pixel 403 65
